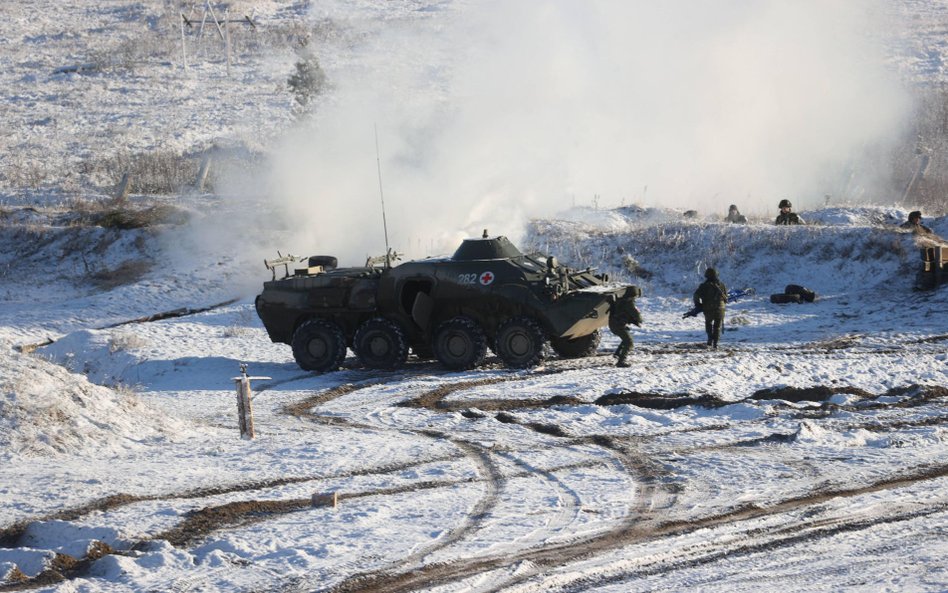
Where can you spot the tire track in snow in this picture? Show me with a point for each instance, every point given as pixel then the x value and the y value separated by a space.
pixel 651 528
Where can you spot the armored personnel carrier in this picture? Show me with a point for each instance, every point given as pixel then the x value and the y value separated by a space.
pixel 488 294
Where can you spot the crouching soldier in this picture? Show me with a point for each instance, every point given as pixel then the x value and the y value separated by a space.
pixel 711 297
pixel 622 312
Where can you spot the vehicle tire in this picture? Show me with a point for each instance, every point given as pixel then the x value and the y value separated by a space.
pixel 327 261
pixel 520 342
pixel 319 345
pixel 380 344
pixel 805 293
pixel 460 344
pixel 783 298
pixel 580 347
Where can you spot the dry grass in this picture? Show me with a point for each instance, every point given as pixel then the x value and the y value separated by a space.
pixel 116 214
pixel 127 272
pixel 125 341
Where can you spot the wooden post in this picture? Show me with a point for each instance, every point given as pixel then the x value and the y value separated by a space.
pixel 202 172
pixel 227 40
pixel 121 191
pixel 217 21
pixel 184 49
pixel 937 262
pixel 244 409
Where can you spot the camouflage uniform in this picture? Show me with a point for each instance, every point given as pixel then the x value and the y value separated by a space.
pixel 786 216
pixel 621 314
pixel 711 297
pixel 734 215
pixel 915 225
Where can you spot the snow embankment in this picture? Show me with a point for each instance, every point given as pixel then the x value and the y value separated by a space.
pixel 46 410
pixel 667 255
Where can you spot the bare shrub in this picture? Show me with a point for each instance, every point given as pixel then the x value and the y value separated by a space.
pixel 240 329
pixel 128 54
pixel 21 172
pixel 920 162
pixel 155 172
pixel 125 341
pixel 308 80
pixel 127 272
pixel 124 215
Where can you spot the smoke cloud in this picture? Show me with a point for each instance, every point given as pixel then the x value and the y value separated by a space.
pixel 492 112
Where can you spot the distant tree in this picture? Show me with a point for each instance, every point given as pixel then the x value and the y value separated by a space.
pixel 308 80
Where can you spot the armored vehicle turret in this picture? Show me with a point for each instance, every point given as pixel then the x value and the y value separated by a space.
pixel 488 294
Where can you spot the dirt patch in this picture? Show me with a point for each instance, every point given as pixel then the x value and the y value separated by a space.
pixel 550 429
pixel 817 393
pixel 302 408
pixel 63 567
pixel 658 401
pixel 917 395
pixel 203 521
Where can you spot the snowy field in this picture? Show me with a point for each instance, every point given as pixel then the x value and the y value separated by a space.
pixel 807 453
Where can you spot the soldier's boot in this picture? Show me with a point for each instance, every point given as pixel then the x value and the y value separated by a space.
pixel 623 362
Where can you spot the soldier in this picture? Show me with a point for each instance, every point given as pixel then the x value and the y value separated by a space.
pixel 914 223
pixel 786 216
pixel 711 297
pixel 622 312
pixel 734 215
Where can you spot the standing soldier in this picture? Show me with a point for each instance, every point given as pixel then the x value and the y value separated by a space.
pixel 786 215
pixel 622 312
pixel 711 297
pixel 734 215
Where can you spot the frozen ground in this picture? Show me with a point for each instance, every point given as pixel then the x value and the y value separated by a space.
pixel 806 454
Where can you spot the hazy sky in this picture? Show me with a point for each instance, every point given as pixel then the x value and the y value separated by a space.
pixel 489 113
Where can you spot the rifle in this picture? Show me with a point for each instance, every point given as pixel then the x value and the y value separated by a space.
pixel 732 295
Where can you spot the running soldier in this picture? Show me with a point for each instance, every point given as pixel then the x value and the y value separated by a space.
pixel 621 313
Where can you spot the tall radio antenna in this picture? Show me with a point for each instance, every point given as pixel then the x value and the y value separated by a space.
pixel 378 163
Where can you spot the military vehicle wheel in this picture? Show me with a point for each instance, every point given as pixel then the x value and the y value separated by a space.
pixel 460 344
pixel 580 347
pixel 319 345
pixel 380 344
pixel 520 342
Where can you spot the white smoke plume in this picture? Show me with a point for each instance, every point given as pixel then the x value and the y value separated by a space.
pixel 491 112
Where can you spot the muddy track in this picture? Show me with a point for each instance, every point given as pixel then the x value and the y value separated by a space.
pixel 207 520
pixel 762 542
pixel 10 535
pixel 643 529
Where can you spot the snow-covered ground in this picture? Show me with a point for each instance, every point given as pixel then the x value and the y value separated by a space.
pixel 807 453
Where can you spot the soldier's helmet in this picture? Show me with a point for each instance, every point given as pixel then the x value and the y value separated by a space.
pixel 915 216
pixel 711 274
pixel 785 203
pixel 732 208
